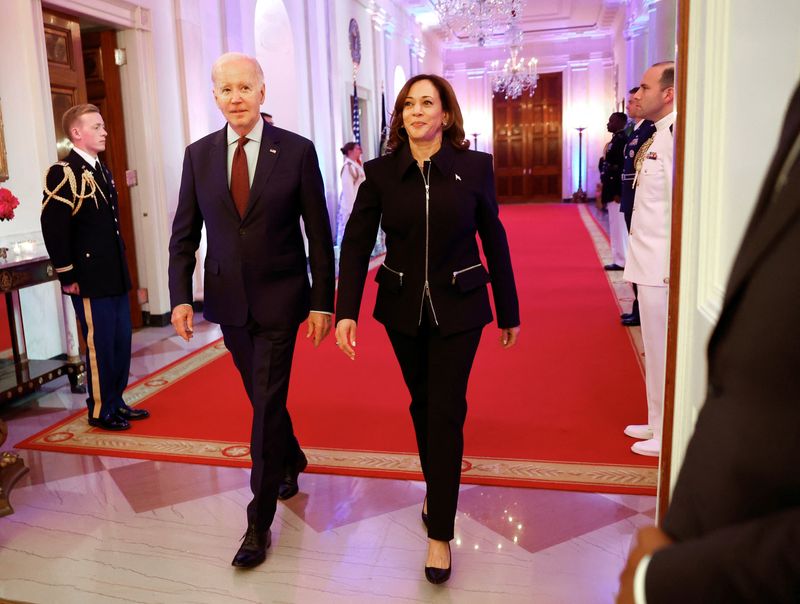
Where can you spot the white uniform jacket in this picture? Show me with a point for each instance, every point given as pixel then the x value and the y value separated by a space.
pixel 648 248
pixel 352 176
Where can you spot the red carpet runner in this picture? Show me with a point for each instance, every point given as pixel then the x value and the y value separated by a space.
pixel 547 413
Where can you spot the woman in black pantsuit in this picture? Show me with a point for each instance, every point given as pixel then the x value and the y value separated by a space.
pixel 431 196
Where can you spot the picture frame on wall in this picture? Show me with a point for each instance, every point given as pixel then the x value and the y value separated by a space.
pixel 3 154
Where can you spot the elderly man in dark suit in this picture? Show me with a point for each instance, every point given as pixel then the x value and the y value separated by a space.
pixel 732 532
pixel 250 183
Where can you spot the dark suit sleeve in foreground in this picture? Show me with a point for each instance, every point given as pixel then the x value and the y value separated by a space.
pixel 498 257
pixel 359 239
pixel 186 230
pixel 757 561
pixel 318 231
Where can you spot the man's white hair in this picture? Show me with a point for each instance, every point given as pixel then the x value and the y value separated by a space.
pixel 235 56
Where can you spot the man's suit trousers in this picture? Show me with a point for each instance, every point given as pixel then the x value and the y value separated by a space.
pixel 264 360
pixel 436 371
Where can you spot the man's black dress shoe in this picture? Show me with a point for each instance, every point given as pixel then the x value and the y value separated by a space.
pixel 253 550
pixel 423 514
pixel 289 487
pixel 129 413
pixel 109 422
pixel 613 267
pixel 625 315
pixel 632 321
pixel 439 575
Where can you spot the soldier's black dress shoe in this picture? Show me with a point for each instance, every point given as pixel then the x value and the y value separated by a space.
pixel 625 315
pixel 253 550
pixel 289 487
pixel 439 575
pixel 613 267
pixel 109 422
pixel 130 413
pixel 632 321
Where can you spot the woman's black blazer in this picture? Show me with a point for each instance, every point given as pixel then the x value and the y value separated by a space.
pixel 462 203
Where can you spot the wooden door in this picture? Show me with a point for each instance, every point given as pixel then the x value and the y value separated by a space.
pixel 62 38
pixel 527 144
pixel 103 89
pixel 82 70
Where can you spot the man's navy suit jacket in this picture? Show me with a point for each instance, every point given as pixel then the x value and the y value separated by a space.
pixel 255 265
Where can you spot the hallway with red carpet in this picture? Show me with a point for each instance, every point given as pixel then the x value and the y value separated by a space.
pixel 547 413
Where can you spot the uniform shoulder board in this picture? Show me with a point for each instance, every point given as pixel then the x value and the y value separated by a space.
pixel 67 177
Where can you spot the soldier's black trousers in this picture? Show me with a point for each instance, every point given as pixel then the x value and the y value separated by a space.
pixel 106 327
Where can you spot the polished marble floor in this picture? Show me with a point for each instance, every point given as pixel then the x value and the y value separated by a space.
pixel 102 529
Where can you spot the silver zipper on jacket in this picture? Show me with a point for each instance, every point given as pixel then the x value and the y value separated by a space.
pixel 464 270
pixel 426 290
pixel 391 270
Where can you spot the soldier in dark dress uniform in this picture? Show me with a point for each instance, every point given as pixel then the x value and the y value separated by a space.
pixel 80 225
pixel 610 174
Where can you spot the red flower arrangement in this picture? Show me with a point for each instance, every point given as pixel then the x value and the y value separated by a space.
pixel 7 204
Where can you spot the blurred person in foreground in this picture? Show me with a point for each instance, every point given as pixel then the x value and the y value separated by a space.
pixel 732 531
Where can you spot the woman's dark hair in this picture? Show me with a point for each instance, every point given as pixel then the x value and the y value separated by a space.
pixel 452 132
pixel 348 147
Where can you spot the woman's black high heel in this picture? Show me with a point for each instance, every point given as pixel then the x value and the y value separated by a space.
pixel 439 575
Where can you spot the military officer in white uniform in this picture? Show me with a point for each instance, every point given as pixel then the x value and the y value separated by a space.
pixel 649 244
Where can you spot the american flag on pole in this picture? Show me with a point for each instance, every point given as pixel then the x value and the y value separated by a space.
pixel 384 126
pixel 356 118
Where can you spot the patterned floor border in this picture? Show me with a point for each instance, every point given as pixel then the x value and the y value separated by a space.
pixel 76 434
pixel 621 289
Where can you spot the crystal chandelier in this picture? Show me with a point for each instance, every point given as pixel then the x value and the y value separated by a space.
pixel 477 19
pixel 517 76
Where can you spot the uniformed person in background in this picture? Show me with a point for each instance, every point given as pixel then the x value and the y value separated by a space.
pixel 352 175
pixel 80 225
pixel 649 244
pixel 641 130
pixel 610 176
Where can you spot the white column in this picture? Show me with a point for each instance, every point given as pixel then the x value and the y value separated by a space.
pixel 321 37
pixel 575 113
pixel 601 105
pixel 722 74
pixel 31 147
pixel 471 85
pixel 662 23
pixel 149 198
pixel 638 56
